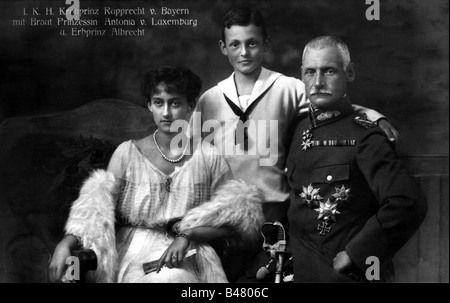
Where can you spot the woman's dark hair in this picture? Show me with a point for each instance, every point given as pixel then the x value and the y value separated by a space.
pixel 244 16
pixel 176 79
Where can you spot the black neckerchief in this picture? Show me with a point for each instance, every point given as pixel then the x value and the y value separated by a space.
pixel 243 116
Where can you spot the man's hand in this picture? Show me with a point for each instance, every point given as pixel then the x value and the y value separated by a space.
pixel 391 133
pixel 342 262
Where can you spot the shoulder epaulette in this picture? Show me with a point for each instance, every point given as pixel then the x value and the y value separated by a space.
pixel 364 121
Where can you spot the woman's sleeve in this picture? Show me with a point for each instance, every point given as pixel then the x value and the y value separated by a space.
pixel 219 168
pixel 118 162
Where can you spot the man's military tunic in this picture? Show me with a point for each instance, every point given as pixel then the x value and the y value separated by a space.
pixel 348 192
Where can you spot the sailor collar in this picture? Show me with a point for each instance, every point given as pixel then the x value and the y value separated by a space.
pixel 265 80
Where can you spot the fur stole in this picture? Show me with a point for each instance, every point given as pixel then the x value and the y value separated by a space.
pixel 92 219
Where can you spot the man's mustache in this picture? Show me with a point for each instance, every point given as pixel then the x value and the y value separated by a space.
pixel 315 92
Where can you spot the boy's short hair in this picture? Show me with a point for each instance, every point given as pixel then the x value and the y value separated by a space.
pixel 176 79
pixel 244 16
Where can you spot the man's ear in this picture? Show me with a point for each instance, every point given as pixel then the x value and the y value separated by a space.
pixel 351 74
pixel 301 72
pixel 223 48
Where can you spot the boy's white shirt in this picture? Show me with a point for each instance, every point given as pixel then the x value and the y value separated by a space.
pixel 281 99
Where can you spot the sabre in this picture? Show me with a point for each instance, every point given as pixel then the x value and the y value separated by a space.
pixel 276 250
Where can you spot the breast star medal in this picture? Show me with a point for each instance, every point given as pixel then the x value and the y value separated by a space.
pixel 327 211
pixel 310 196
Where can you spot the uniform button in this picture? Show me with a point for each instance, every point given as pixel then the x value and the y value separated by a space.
pixel 286 170
pixel 329 178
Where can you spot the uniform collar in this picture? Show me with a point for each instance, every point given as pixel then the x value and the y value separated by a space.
pixel 265 79
pixel 337 111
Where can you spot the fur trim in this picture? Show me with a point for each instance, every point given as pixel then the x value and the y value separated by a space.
pixel 209 266
pixel 92 219
pixel 236 204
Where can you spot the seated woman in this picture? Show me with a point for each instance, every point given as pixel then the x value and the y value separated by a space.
pixel 148 185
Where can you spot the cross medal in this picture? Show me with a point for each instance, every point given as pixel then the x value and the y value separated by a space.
pixel 323 228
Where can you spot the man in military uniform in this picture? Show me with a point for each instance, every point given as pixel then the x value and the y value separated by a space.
pixel 350 197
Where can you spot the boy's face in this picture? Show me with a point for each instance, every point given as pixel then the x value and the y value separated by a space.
pixel 245 47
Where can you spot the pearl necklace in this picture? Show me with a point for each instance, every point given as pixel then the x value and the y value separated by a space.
pixel 164 156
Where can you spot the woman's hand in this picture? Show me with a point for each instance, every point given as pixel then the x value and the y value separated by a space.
pixel 57 266
pixel 174 254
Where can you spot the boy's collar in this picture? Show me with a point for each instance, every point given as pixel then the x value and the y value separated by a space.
pixel 265 79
